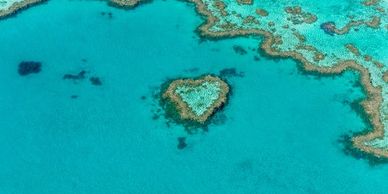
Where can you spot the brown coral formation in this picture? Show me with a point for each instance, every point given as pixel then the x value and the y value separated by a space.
pixel 250 20
pixel 370 2
pixel 348 27
pixel 380 9
pixel 374 22
pixel 296 10
pixel 278 40
pixel 369 58
pixel 245 2
pixel 298 16
pixel 262 12
pixel 318 56
pixel 271 24
pixel 353 49
pixel 229 26
pixel 378 64
pixel 125 3
pixel 299 36
pixel 385 76
pixel 221 7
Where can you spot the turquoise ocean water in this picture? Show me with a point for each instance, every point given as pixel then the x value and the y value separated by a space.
pixel 279 132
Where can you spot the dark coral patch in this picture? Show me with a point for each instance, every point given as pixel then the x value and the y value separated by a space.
pixel 230 72
pixel 192 70
pixel 29 67
pixel 239 50
pixel 74 96
pixel 96 81
pixel 79 76
pixel 328 28
pixel 155 117
pixel 108 14
pixel 256 58
pixel 181 143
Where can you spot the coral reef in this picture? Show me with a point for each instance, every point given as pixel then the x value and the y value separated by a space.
pixel 290 30
pixel 313 61
pixel 196 99
pixel 262 12
pixel 125 3
pixel 245 2
pixel 328 28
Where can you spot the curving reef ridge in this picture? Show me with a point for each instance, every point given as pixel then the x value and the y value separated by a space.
pixel 327 37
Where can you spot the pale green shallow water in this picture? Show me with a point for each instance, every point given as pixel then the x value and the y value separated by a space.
pixel 278 133
pixel 199 98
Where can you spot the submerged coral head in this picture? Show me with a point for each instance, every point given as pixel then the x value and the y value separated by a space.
pixel 197 99
pixel 328 28
pixel 29 67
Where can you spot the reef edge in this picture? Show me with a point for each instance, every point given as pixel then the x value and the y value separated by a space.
pixel 18 6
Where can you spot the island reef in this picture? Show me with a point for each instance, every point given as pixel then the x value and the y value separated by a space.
pixel 194 100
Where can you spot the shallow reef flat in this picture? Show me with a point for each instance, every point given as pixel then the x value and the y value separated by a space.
pixel 327 37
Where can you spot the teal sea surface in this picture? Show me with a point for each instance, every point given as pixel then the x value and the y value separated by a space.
pixel 279 132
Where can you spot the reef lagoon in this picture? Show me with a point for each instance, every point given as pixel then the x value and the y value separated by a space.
pixel 87 118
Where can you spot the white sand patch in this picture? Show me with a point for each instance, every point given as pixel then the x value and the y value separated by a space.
pixel 6 4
